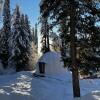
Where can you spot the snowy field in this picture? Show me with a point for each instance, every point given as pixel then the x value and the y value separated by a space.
pixel 56 85
pixel 24 86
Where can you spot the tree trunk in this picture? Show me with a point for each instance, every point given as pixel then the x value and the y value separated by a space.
pixel 48 46
pixel 75 77
pixel 45 35
pixel 47 49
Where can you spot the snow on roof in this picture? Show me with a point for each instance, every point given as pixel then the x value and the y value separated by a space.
pixel 53 63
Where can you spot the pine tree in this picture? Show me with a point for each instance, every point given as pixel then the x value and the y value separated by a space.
pixel 65 41
pixel 81 33
pixel 35 36
pixel 27 40
pixel 86 32
pixel 84 27
pixel 33 33
pixel 76 87
pixel 14 39
pixel 20 41
pixel 45 35
pixel 4 50
pixel 57 7
pixel 27 27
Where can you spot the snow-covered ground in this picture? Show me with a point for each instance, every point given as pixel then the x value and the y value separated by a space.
pixel 56 85
pixel 24 86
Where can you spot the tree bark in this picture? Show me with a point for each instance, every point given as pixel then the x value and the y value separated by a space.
pixel 48 44
pixel 47 49
pixel 75 76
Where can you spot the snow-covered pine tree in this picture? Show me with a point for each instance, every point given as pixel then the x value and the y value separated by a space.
pixel 36 36
pixel 25 42
pixel 28 40
pixel 20 42
pixel 27 27
pixel 4 45
pixel 14 39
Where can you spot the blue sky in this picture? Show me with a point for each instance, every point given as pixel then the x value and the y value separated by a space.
pixel 29 7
